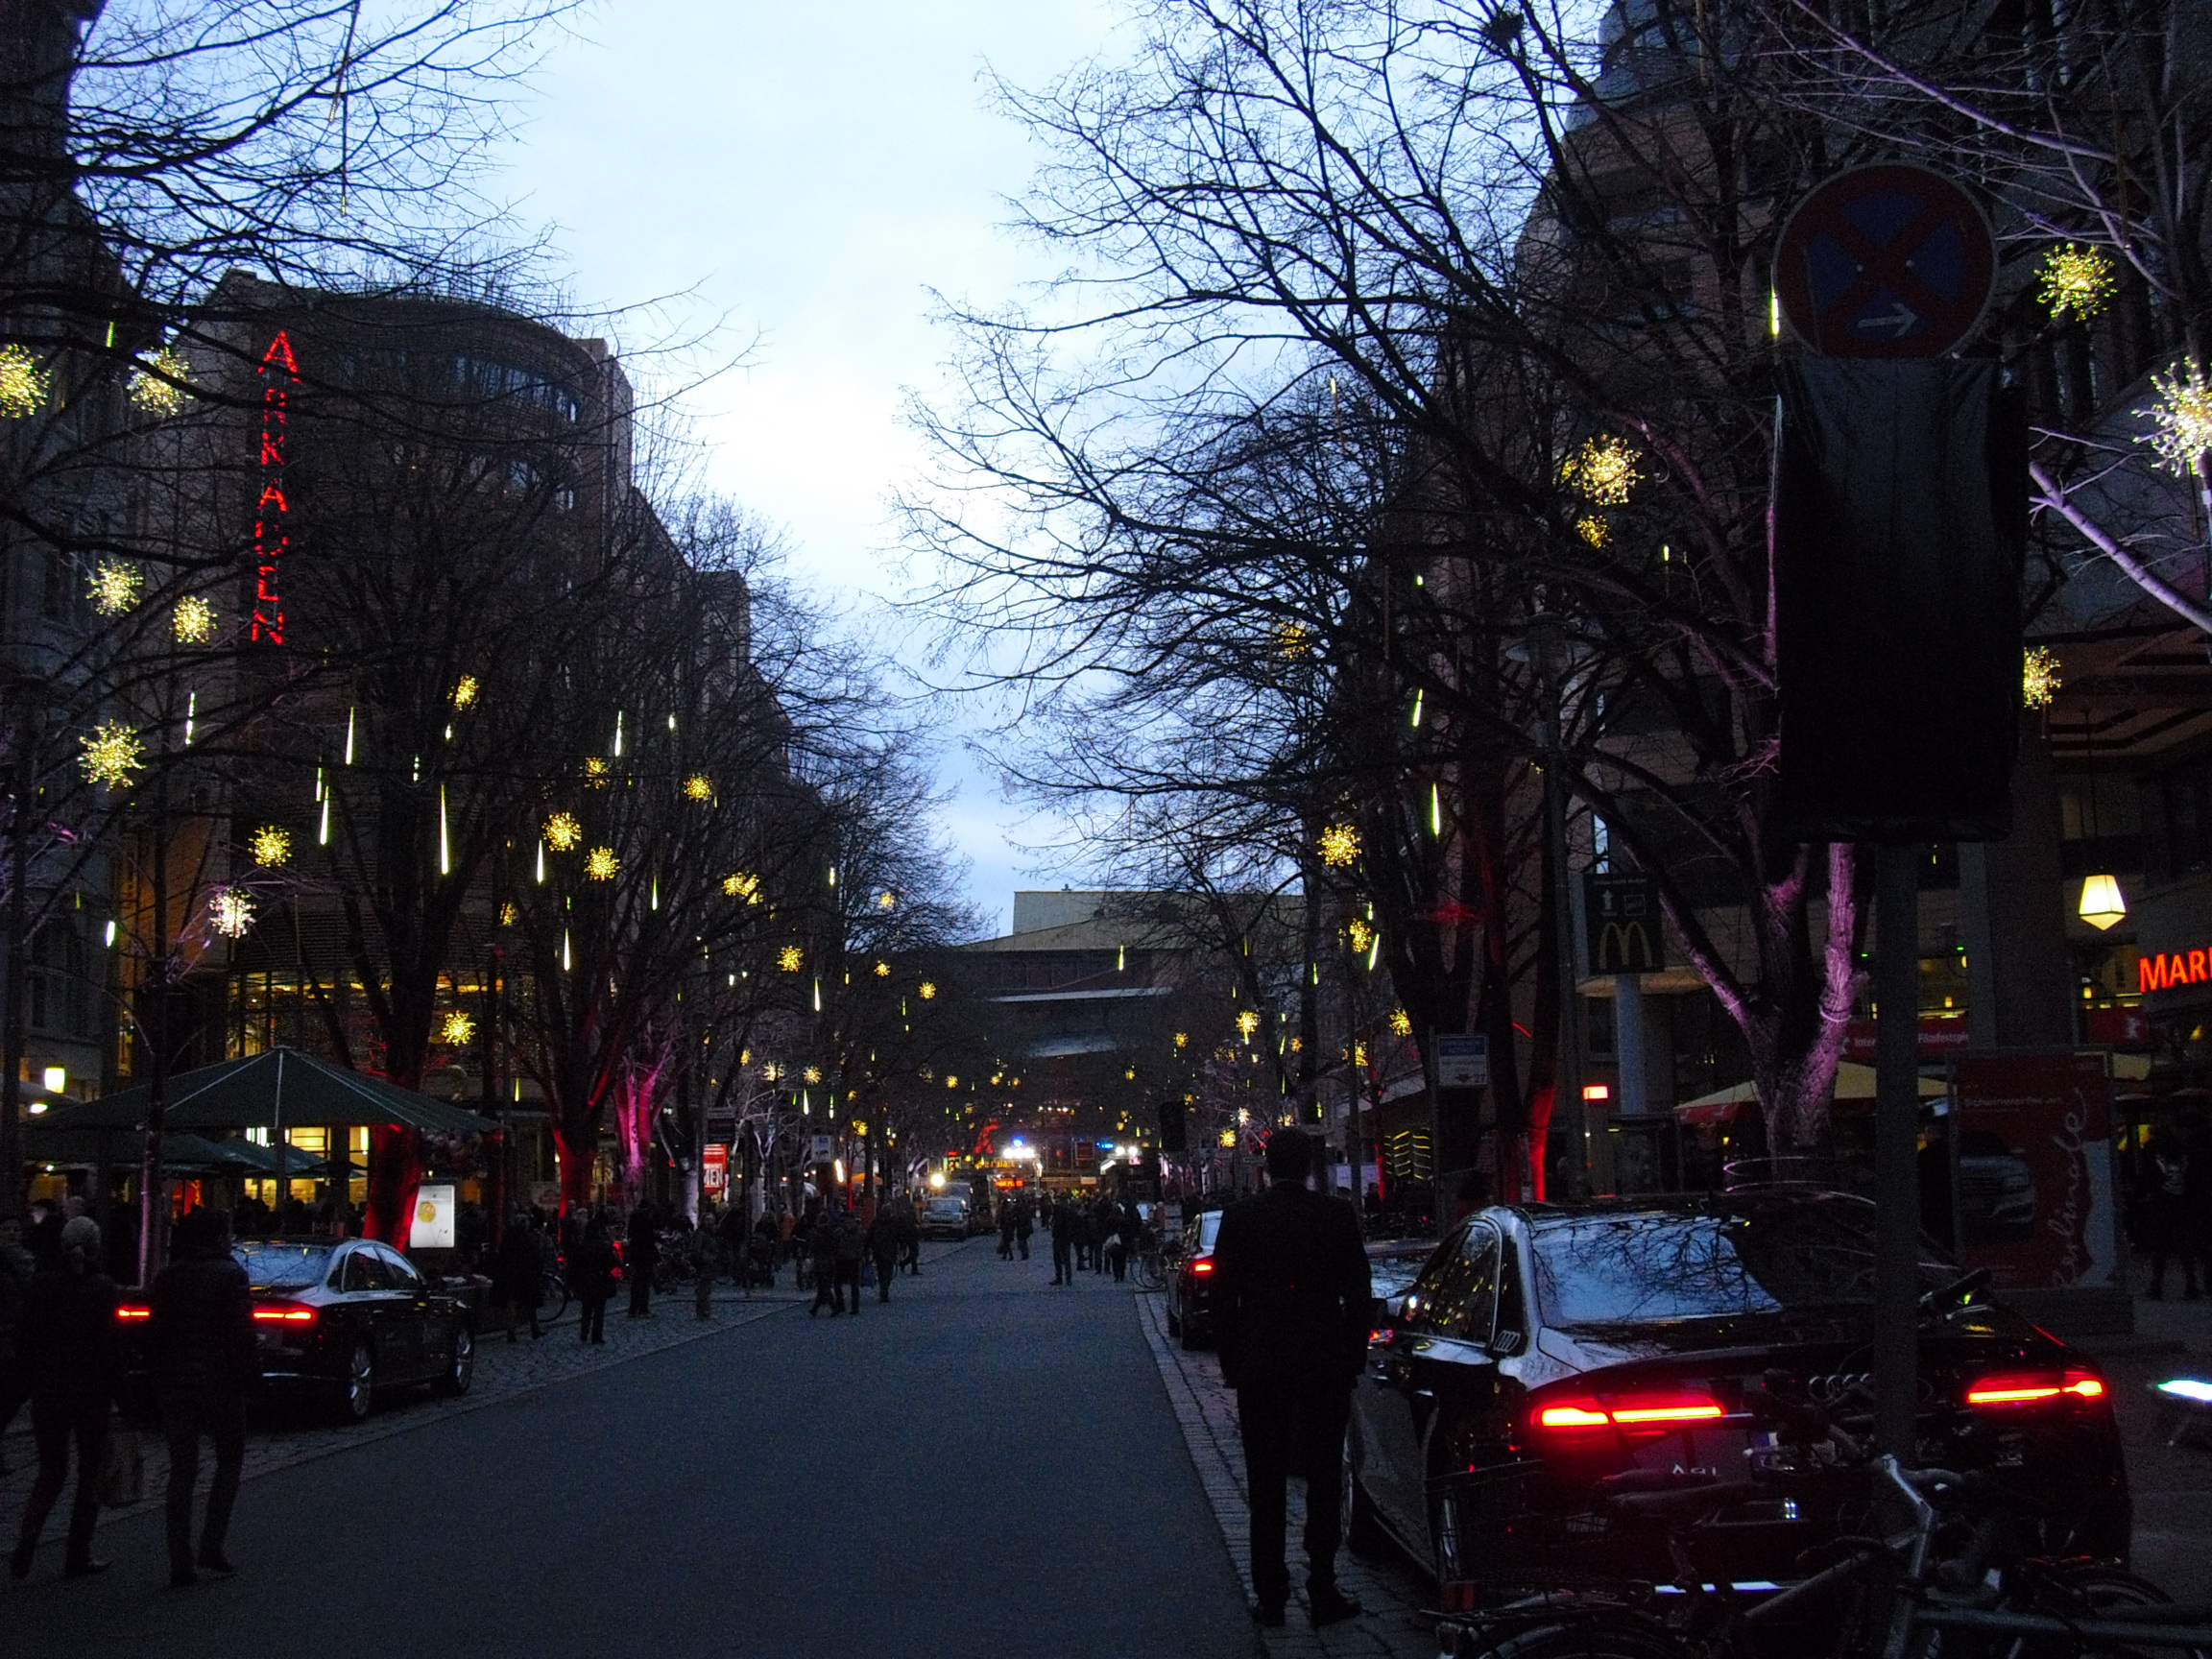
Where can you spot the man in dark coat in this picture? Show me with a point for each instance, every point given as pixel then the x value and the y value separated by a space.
pixel 1292 1299
pixel 591 1277
pixel 1063 1222
pixel 200 1340
pixel 641 1258
pixel 517 1279
pixel 74 1364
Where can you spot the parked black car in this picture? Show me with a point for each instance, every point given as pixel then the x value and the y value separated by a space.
pixel 347 1317
pixel 1543 1350
pixel 1190 1282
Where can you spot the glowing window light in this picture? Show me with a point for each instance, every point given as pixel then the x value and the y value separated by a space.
pixel 1401 1022
pixel 1247 1024
pixel 790 958
pixel 24 383
pixel 113 752
pixel 1294 641
pixel 1603 471
pixel 270 846
pixel 928 990
pixel 1338 846
pixel 698 787
pixel 114 587
pixel 595 771
pixel 193 622
pixel 464 690
pixel 157 381
pixel 2077 280
pixel 562 834
pixel 740 885
pixel 2039 679
pixel 2181 417
pixel 231 911
pixel 456 1029
pixel 601 864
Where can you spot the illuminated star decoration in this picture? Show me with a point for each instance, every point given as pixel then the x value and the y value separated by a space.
pixel 193 621
pixel 1294 640
pixel 1338 846
pixel 698 787
pixel 1360 1055
pixel 770 1071
pixel 1602 471
pixel 1247 1023
pixel 2181 417
pixel 509 914
pixel 2039 677
pixel 270 846
pixel 562 834
pixel 790 958
pixel 111 754
pixel 1360 933
pixel 886 901
pixel 882 970
pixel 595 771
pixel 742 886
pixel 231 911
pixel 157 381
pixel 456 1029
pixel 1182 1039
pixel 601 864
pixel 1592 529
pixel 24 383
pixel 114 587
pixel 2077 280
pixel 928 990
pixel 812 1074
pixel 464 690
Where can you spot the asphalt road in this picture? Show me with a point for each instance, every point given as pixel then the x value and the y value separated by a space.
pixel 986 1465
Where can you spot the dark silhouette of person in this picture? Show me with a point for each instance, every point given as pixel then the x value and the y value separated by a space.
pixel 1063 1222
pixel 592 1276
pixel 1024 1224
pixel 1292 1297
pixel 517 1279
pixel 73 1362
pixel 643 1256
pixel 201 1353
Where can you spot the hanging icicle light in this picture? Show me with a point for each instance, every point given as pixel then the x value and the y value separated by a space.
pixel 2102 903
pixel 350 737
pixel 445 838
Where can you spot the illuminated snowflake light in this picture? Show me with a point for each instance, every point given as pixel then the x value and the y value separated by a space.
pixel 770 1071
pixel 464 690
pixel 1294 640
pixel 1401 1022
pixel 928 990
pixel 193 621
pixel 24 383
pixel 1360 933
pixel 698 787
pixel 2076 281
pixel 509 914
pixel 114 587
pixel 790 958
pixel 886 901
pixel 113 752
pixel 1359 1055
pixel 742 886
pixel 1592 529
pixel 882 970
pixel 1247 1024
pixel 1182 1039
pixel 2181 417
pixel 601 864
pixel 456 1029
pixel 157 381
pixel 595 771
pixel 562 834
pixel 1338 846
pixel 1602 471
pixel 2039 679
pixel 270 846
pixel 231 911
pixel 812 1074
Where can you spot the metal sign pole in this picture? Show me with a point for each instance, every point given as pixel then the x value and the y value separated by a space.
pixel 1896 1149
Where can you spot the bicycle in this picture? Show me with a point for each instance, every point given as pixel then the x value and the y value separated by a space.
pixel 1150 1267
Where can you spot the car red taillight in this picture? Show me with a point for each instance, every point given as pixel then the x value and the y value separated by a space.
pixel 283 1313
pixel 1201 1267
pixel 1634 1413
pixel 2035 1387
pixel 131 1312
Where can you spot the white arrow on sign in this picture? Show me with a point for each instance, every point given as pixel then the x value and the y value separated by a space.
pixel 1900 321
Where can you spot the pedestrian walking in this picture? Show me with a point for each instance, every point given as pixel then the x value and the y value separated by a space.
pixel 73 1362
pixel 2167 1213
pixel 642 1259
pixel 200 1343
pixel 1063 1223
pixel 518 1280
pixel 1292 1297
pixel 1025 1223
pixel 1006 1210
pixel 852 1248
pixel 591 1267
pixel 884 1241
pixel 17 1271
pixel 704 1249
pixel 822 1254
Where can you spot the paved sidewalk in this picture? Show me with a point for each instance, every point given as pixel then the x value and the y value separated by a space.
pixel 283 1434
pixel 1394 1625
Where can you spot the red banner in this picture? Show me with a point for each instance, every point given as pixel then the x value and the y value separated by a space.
pixel 1939 1034
pixel 2033 1151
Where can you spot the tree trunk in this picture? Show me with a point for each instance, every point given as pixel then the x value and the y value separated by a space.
pixel 394 1178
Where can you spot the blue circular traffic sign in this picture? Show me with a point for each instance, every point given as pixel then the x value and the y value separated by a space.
pixel 1888 260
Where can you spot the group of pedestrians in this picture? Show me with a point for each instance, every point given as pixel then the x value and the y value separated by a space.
pixel 1096 1232
pixel 845 1252
pixel 62 1349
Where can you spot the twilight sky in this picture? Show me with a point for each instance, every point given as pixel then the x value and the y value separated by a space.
pixel 803 173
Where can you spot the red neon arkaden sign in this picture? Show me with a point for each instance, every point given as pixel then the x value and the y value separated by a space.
pixel 2162 972
pixel 272 534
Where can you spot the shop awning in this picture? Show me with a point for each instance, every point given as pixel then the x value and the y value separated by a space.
pixel 80 1149
pixel 1853 1082
pixel 278 1090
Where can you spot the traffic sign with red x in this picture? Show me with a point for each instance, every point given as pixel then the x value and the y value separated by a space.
pixel 1889 260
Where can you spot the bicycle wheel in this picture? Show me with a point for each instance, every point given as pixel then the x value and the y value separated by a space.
pixel 1606 1636
pixel 2083 1589
pixel 553 1295
pixel 1148 1275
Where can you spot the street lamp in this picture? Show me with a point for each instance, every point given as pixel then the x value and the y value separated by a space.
pixel 2102 904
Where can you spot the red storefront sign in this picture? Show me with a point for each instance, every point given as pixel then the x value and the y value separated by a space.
pixel 2033 1151
pixel 2171 970
pixel 714 1168
pixel 1939 1034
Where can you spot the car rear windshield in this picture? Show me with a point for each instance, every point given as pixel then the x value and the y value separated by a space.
pixel 284 1267
pixel 946 1206
pixel 1649 1269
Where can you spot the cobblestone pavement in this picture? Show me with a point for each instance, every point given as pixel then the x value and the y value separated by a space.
pixel 283 1434
pixel 1394 1626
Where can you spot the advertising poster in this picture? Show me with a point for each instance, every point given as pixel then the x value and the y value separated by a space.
pixel 2033 1151
pixel 714 1168
pixel 433 1213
